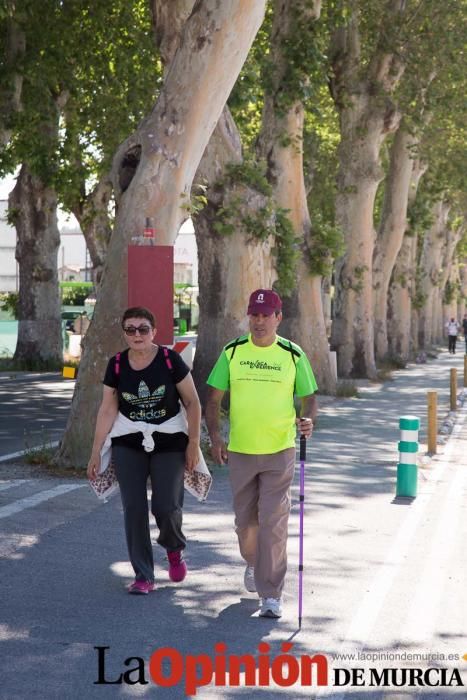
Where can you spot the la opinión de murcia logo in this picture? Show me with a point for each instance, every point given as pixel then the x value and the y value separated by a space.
pixel 167 667
pixel 397 677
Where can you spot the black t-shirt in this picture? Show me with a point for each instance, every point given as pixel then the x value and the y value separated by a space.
pixel 149 395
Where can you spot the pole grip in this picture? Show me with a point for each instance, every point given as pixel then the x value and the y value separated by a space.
pixel 302 448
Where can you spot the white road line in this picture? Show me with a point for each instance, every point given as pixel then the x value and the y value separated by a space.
pixel 369 609
pixel 372 602
pixel 12 455
pixel 426 605
pixel 32 501
pixel 5 485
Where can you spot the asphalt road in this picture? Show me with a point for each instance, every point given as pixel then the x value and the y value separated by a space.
pixel 33 409
pixel 383 579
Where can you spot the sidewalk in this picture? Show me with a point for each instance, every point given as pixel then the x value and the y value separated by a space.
pixel 382 575
pixel 365 430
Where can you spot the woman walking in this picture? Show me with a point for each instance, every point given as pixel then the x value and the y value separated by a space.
pixel 144 387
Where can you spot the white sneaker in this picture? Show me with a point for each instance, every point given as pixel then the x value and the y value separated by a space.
pixel 249 579
pixel 271 607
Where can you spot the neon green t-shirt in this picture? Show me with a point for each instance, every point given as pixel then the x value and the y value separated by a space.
pixel 262 383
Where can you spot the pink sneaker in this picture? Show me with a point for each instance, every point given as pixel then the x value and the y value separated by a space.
pixel 177 567
pixel 141 587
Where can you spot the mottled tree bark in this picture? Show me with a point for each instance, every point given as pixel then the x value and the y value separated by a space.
pixel 92 212
pixel 93 217
pixel 280 144
pixel 230 266
pixel 11 84
pixel 169 20
pixel 447 273
pixel 391 230
pixel 402 285
pixel 152 175
pixel 462 297
pixel 430 265
pixel 33 210
pixel 449 307
pixel 33 207
pixel 367 116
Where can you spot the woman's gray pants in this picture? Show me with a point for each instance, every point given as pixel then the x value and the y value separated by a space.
pixel 166 471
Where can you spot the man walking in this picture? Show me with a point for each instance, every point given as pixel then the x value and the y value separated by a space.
pixel 262 371
pixel 452 328
pixel 464 330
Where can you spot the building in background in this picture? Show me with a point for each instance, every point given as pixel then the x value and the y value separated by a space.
pixel 74 262
pixel 186 256
pixel 8 265
pixel 73 258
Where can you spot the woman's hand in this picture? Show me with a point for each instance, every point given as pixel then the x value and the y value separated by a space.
pixel 105 419
pixel 191 455
pixel 93 465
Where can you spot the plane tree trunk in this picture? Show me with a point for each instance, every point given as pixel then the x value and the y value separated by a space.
pixel 367 115
pixel 33 209
pixel 400 317
pixel 11 84
pixel 232 260
pixel 445 302
pixel 391 230
pixel 462 296
pixel 280 144
pixel 230 264
pixel 429 274
pixel 92 214
pixel 152 174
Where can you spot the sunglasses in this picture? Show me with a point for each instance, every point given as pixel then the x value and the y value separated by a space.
pixel 142 330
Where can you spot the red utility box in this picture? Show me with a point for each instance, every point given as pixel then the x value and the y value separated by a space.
pixel 151 284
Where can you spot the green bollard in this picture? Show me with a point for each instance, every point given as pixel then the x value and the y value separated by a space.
pixel 407 470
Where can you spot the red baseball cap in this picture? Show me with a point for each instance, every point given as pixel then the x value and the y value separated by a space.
pixel 264 301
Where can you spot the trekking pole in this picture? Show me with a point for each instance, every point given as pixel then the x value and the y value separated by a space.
pixel 300 550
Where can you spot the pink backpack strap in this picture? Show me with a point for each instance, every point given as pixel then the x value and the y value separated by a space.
pixel 167 358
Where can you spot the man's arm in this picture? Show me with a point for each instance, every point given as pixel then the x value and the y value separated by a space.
pixel 308 413
pixel 212 415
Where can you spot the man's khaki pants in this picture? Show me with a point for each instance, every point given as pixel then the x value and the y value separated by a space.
pixel 261 500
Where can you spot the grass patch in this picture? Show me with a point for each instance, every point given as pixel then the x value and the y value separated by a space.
pixel 392 363
pixel 389 365
pixel 384 374
pixel 9 364
pixel 41 453
pixel 70 361
pixel 346 389
pixel 64 472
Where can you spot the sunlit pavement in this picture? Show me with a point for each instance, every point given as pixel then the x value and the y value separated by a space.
pixel 380 576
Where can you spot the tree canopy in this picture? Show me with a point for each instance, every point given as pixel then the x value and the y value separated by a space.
pixel 380 88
